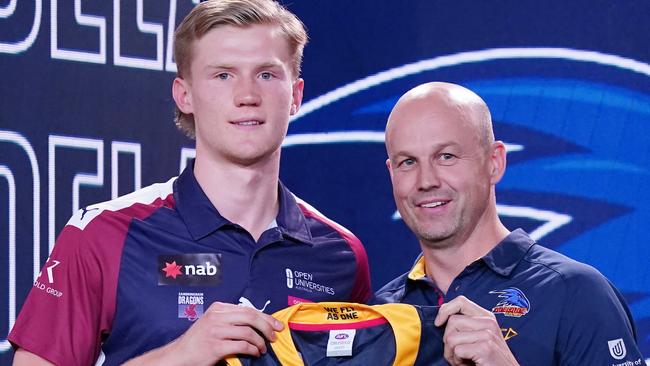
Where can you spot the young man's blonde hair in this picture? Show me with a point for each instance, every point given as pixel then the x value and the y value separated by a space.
pixel 239 13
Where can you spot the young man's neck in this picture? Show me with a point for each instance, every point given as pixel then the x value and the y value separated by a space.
pixel 444 264
pixel 245 195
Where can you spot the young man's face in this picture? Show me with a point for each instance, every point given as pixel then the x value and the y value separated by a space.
pixel 241 91
pixel 439 170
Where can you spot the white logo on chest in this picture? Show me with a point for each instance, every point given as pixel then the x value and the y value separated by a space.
pixel 248 304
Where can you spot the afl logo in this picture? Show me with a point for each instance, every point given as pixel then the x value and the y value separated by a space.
pixel 341 336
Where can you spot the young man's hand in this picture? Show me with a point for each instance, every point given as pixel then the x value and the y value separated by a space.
pixel 223 330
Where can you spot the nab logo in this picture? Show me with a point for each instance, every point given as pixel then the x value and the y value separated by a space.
pixel 617 348
pixel 199 269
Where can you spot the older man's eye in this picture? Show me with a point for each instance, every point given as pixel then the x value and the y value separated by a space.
pixel 447 158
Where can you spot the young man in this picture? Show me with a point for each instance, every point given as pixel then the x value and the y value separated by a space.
pixel 157 273
pixel 542 307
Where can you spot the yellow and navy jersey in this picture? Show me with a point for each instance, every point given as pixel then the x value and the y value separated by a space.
pixel 338 333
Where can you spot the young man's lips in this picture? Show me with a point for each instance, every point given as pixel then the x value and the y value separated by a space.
pixel 247 122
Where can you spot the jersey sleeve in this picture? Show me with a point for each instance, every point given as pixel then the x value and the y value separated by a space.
pixel 362 290
pixel 596 326
pixel 71 304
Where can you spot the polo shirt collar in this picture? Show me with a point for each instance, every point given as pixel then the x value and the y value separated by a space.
pixel 196 210
pixel 502 259
pixel 202 218
pixel 509 252
pixel 418 271
pixel 290 219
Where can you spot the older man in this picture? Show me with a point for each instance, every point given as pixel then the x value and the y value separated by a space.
pixel 505 299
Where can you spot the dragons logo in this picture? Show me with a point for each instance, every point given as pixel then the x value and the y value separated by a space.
pixel 190 312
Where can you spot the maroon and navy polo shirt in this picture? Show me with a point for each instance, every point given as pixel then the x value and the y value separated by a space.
pixel 132 274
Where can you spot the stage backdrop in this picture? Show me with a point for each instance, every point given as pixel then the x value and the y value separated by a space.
pixel 86 115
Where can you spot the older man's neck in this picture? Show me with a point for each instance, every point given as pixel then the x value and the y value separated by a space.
pixel 443 264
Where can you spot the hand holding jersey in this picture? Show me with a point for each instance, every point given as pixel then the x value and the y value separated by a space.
pixel 472 334
pixel 224 329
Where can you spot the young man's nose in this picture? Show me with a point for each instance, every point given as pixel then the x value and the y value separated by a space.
pixel 247 93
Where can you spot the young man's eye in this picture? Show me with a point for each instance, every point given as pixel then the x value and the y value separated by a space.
pixel 266 75
pixel 223 76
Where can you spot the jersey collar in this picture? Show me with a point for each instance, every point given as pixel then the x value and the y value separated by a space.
pixel 403 319
pixel 418 271
pixel 202 218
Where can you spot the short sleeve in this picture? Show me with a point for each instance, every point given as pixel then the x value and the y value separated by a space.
pixel 596 327
pixel 70 306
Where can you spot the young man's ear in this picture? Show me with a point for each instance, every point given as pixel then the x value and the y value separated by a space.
pixel 182 95
pixel 296 101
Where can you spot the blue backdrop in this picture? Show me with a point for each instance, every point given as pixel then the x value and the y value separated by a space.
pixel 86 115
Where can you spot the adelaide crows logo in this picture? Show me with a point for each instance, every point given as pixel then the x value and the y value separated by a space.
pixel 575 124
pixel 514 303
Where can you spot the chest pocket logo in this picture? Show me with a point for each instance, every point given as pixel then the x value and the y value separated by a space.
pixel 513 304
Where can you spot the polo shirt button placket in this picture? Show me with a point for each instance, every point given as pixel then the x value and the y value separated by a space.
pixel 454 290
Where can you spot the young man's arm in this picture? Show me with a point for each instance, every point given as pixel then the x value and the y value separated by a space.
pixel 224 329
pixel 23 357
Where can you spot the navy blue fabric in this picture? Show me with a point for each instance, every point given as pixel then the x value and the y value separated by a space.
pixel 150 315
pixel 568 313
pixel 372 346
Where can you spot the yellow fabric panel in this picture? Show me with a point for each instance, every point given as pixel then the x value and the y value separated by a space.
pixel 403 319
pixel 317 313
pixel 407 328
pixel 233 361
pixel 419 270
pixel 283 346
